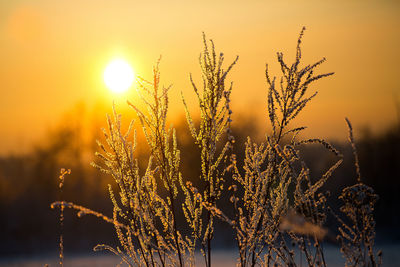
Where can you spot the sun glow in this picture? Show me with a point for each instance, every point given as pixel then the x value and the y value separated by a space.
pixel 118 76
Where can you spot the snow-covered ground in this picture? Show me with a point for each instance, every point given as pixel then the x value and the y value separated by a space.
pixel 227 258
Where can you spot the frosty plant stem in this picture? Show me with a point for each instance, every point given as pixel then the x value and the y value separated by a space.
pixel 214 121
pixel 158 138
pixel 63 172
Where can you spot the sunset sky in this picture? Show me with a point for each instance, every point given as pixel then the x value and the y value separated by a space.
pixel 53 55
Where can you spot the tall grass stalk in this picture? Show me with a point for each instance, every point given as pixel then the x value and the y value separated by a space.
pixel 214 122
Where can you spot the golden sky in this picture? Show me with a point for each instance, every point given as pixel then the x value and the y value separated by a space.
pixel 53 54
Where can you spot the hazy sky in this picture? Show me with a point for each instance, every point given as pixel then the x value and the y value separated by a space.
pixel 53 54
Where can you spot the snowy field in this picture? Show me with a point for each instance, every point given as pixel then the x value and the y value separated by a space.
pixel 391 258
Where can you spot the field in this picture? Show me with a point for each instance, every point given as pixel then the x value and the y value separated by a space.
pixel 220 259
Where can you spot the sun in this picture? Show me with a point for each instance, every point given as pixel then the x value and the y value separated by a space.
pixel 118 76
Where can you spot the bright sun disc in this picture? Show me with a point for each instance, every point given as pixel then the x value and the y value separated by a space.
pixel 118 75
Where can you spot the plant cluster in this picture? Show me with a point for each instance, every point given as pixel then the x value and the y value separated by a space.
pixel 279 211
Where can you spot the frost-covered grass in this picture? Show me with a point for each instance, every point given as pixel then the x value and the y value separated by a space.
pixel 277 213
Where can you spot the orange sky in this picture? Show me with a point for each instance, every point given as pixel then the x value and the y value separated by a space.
pixel 53 54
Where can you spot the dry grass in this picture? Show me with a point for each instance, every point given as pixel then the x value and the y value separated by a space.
pixel 279 212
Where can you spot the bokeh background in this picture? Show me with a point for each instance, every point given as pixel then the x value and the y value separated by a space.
pixel 53 99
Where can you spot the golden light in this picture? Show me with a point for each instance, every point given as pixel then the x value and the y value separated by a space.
pixel 118 76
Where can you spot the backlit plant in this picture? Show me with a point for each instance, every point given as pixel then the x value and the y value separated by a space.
pixel 279 212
